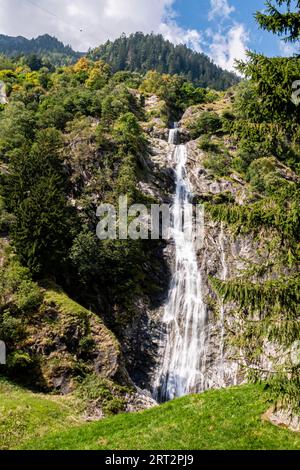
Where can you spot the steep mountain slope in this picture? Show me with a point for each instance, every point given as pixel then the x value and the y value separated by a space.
pixel 141 53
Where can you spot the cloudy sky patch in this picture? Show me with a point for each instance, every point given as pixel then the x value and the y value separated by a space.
pixel 223 29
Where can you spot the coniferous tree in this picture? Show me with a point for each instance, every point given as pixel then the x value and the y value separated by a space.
pixel 35 193
pixel 142 53
pixel 267 129
pixel 283 23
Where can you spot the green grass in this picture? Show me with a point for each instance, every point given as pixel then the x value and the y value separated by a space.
pixel 25 415
pixel 224 419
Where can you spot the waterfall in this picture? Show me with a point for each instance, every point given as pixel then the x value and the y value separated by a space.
pixel 3 97
pixel 182 368
pixel 174 134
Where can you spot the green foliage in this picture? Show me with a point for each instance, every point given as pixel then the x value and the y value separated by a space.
pixel 177 93
pixel 16 128
pixel 282 23
pixel 280 212
pixel 99 75
pixel 6 63
pixel 129 135
pixel 267 119
pixel 266 129
pixel 130 79
pixel 63 105
pixel 143 53
pixel 218 163
pixel 17 291
pixel 19 298
pixel 108 261
pixel 18 360
pixel 91 148
pixel 116 102
pixel 6 218
pixel 42 219
pixel 208 145
pixel 206 123
pixel 34 62
pixel 45 47
pixel 264 175
pixel 102 394
pixel 281 295
pixel 269 311
pixel 35 194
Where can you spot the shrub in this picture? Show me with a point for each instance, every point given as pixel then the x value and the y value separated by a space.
pixel 219 164
pixel 263 175
pixel 98 392
pixel 207 123
pixel 207 145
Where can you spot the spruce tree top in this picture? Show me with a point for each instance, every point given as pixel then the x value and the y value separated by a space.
pixel 281 22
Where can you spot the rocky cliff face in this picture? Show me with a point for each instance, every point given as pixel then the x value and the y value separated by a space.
pixel 222 255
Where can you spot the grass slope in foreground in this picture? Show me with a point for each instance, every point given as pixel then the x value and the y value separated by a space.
pixel 221 419
pixel 25 415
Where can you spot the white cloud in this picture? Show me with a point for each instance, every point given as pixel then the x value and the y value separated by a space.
pixel 225 48
pixel 87 23
pixel 220 8
pixel 288 49
pixel 229 42
pixel 177 35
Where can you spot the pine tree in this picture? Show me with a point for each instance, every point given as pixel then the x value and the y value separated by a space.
pixel 267 313
pixel 142 53
pixel 283 23
pixel 35 193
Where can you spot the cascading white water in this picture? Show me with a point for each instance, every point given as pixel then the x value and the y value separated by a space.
pixel 173 134
pixel 3 97
pixel 182 369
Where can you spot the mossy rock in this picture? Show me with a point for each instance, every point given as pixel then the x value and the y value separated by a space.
pixel 67 341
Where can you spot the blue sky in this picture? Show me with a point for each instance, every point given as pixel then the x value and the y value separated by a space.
pixel 223 29
pixel 194 14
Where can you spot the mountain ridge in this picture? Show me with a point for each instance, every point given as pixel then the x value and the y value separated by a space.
pixel 13 46
pixel 140 52
pixel 135 53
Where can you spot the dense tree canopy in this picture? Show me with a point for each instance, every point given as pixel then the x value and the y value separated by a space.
pixel 141 53
pixel 267 132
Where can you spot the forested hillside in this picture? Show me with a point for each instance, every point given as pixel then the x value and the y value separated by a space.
pixel 83 319
pixel 45 47
pixel 136 53
pixel 70 140
pixel 141 53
